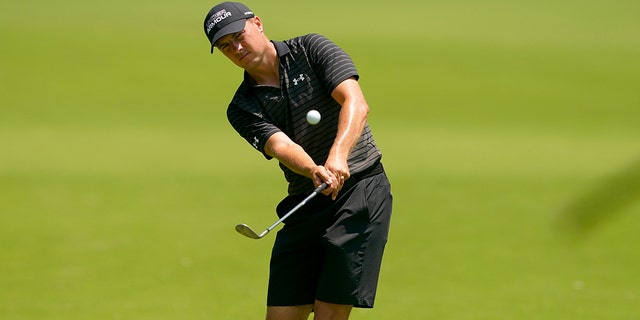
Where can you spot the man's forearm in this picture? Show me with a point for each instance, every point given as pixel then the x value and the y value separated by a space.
pixel 290 154
pixel 353 117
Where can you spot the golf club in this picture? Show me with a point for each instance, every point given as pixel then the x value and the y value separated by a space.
pixel 246 231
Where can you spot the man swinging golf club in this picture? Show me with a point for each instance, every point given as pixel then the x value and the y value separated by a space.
pixel 326 258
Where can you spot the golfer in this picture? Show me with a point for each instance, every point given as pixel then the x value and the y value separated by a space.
pixel 326 258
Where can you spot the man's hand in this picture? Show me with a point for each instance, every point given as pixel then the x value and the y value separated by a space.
pixel 339 169
pixel 322 175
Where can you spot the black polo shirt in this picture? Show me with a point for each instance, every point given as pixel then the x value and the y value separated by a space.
pixel 311 67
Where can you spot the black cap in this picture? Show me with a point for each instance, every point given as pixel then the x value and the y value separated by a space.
pixel 225 18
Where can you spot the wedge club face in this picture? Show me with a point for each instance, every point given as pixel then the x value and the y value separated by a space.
pixel 246 231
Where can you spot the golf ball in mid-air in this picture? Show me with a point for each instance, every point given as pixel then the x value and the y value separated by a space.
pixel 313 117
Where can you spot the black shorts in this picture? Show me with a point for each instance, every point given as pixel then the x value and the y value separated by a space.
pixel 332 250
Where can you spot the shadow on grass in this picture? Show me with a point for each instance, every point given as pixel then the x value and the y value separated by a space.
pixel 604 202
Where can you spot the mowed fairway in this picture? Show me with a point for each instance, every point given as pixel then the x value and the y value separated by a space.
pixel 510 132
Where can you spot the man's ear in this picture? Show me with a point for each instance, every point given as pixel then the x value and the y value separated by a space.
pixel 258 23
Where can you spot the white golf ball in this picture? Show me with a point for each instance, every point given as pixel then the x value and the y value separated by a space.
pixel 313 117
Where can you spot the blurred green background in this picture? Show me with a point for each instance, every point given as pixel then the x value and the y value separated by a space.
pixel 509 131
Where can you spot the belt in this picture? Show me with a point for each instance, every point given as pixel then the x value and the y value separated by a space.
pixel 373 170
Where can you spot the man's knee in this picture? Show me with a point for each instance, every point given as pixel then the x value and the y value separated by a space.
pixel 289 312
pixel 330 311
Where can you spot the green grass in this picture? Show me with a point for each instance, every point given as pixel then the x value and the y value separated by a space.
pixel 121 180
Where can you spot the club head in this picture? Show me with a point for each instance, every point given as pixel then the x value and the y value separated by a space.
pixel 246 231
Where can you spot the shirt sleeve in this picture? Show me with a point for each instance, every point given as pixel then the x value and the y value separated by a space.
pixel 251 127
pixel 329 61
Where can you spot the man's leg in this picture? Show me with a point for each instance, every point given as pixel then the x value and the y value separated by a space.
pixel 330 311
pixel 289 313
pixel 321 310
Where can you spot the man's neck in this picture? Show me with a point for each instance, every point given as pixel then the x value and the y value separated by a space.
pixel 268 73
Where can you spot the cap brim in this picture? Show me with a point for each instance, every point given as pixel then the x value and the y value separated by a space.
pixel 232 27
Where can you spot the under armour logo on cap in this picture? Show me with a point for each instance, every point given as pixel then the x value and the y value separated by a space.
pixel 225 18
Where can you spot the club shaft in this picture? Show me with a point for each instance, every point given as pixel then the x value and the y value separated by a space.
pixel 302 203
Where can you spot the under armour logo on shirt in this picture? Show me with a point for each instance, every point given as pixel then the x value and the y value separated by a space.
pixel 298 79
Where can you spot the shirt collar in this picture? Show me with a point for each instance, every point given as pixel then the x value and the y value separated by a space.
pixel 281 48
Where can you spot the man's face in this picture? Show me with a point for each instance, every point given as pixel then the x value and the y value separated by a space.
pixel 244 48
